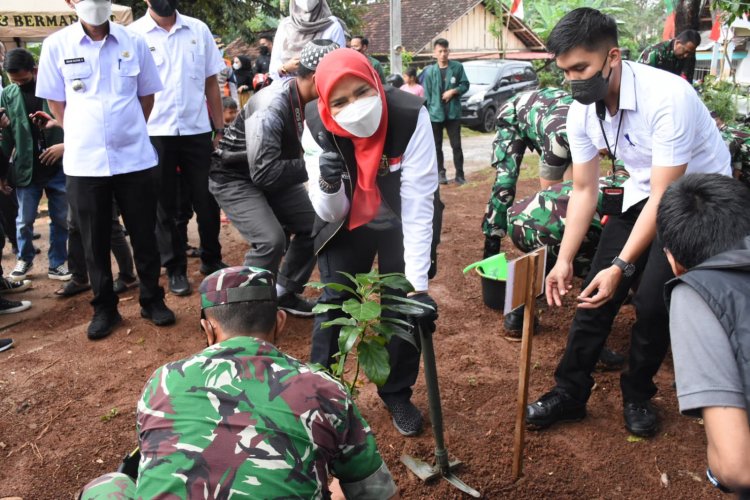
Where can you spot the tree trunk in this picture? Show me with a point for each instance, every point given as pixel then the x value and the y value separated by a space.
pixel 687 15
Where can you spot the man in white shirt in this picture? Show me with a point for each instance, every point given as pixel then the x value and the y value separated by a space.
pixel 180 128
pixel 655 123
pixel 99 80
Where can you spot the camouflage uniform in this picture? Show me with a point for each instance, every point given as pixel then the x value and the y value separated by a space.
pixel 243 420
pixel 540 220
pixel 534 120
pixel 661 55
pixel 738 141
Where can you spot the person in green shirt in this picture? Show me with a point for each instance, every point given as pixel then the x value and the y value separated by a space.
pixel 676 55
pixel 241 419
pixel 360 44
pixel 444 84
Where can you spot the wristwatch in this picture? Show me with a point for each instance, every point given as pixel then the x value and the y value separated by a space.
pixel 627 269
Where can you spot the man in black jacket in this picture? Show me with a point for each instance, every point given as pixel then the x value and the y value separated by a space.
pixel 257 176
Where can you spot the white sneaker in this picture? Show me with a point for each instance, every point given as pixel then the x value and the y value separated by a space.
pixel 10 286
pixel 59 273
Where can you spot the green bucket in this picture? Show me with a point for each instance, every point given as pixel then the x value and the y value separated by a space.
pixel 494 272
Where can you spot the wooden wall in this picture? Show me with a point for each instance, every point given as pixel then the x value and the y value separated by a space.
pixel 471 32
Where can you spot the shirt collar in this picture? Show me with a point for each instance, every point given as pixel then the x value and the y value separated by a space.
pixel 627 87
pixel 81 34
pixel 178 24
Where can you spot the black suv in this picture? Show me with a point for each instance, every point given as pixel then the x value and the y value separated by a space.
pixel 492 83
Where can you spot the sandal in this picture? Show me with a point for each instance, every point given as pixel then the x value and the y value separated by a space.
pixel 72 288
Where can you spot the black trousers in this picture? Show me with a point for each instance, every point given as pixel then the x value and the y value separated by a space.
pixel 8 214
pixel 266 220
pixel 192 153
pixel 650 334
pixel 454 137
pixel 118 241
pixel 354 252
pixel 184 211
pixel 90 200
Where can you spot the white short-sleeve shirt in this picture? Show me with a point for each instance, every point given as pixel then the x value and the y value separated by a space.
pixel 100 82
pixel 185 56
pixel 664 123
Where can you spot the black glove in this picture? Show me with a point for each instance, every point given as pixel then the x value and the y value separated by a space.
pixel 491 246
pixel 429 314
pixel 331 168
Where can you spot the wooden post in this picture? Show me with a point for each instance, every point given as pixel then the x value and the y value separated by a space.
pixel 523 373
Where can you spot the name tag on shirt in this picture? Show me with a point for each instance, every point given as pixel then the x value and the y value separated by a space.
pixel 76 60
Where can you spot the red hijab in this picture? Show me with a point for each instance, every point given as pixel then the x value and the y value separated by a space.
pixel 368 151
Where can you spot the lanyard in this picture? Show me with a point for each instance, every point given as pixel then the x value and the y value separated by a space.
pixel 296 103
pixel 612 155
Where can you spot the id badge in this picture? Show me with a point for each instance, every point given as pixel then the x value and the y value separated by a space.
pixel 612 200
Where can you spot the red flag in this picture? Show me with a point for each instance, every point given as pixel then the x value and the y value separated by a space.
pixel 716 29
pixel 517 8
pixel 668 32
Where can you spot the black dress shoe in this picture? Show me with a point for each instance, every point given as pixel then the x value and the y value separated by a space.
pixel 610 360
pixel 513 323
pixel 442 179
pixel 102 324
pixel 555 406
pixel 640 418
pixel 212 267
pixel 460 180
pixel 179 284
pixel 407 419
pixel 158 313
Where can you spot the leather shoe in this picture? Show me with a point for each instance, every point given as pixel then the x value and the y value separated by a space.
pixel 158 313
pixel 211 268
pixel 555 406
pixel 442 179
pixel 513 323
pixel 640 418
pixel 179 284
pixel 610 360
pixel 102 324
pixel 460 180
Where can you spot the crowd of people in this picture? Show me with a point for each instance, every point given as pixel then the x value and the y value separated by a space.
pixel 320 161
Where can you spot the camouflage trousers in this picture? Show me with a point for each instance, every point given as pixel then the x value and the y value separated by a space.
pixel 540 220
pixel 112 486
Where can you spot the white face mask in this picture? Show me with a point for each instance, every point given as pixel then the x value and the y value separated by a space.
pixel 306 5
pixel 237 66
pixel 94 12
pixel 362 117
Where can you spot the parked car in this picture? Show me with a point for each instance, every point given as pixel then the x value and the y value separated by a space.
pixel 492 83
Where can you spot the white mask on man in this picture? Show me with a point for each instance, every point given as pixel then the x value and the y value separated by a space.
pixel 237 66
pixel 94 12
pixel 362 117
pixel 306 5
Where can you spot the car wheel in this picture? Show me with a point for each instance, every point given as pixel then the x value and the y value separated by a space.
pixel 488 120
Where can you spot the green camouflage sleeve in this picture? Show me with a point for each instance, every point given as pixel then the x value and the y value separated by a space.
pixel 113 486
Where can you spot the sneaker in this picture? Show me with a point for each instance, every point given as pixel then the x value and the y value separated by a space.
pixel 296 305
pixel 179 285
pixel 13 306
pixel 513 323
pixel 8 286
pixel 158 313
pixel 21 270
pixel 102 324
pixel 610 360
pixel 555 406
pixel 121 284
pixel 5 344
pixel 407 419
pixel 211 268
pixel 640 418
pixel 442 179
pixel 59 273
pixel 460 180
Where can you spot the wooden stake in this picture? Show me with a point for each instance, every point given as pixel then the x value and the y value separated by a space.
pixel 523 373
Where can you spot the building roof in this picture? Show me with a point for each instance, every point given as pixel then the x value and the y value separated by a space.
pixel 421 21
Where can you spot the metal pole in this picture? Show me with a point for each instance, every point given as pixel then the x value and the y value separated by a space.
pixel 433 395
pixel 395 56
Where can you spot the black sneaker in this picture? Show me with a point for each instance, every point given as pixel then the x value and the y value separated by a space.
pixel 8 286
pixel 121 284
pixel 296 305
pixel 102 324
pixel 442 179
pixel 460 180
pixel 13 306
pixel 555 406
pixel 640 418
pixel 211 268
pixel 610 360
pixel 5 344
pixel 513 323
pixel 407 418
pixel 59 273
pixel 158 313
pixel 21 270
pixel 179 285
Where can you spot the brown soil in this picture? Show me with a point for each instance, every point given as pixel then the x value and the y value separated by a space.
pixel 56 387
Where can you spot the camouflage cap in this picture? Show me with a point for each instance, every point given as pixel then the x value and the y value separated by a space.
pixel 237 284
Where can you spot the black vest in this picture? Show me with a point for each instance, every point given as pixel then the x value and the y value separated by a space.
pixel 403 112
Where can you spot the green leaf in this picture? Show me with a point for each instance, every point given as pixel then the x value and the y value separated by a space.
pixel 406 300
pixel 349 276
pixel 407 335
pixel 385 330
pixel 339 321
pixel 316 284
pixel 404 309
pixel 321 308
pixel 398 282
pixel 347 337
pixel 362 311
pixel 635 439
pixel 396 321
pixel 374 360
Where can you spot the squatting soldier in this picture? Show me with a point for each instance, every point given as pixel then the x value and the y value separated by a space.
pixel 534 120
pixel 676 55
pixel 738 141
pixel 242 419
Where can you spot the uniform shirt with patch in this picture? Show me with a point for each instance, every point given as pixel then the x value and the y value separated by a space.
pixel 185 56
pixel 100 82
pixel 664 124
pixel 241 418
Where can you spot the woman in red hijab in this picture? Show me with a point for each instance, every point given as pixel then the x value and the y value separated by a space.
pixel 373 181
